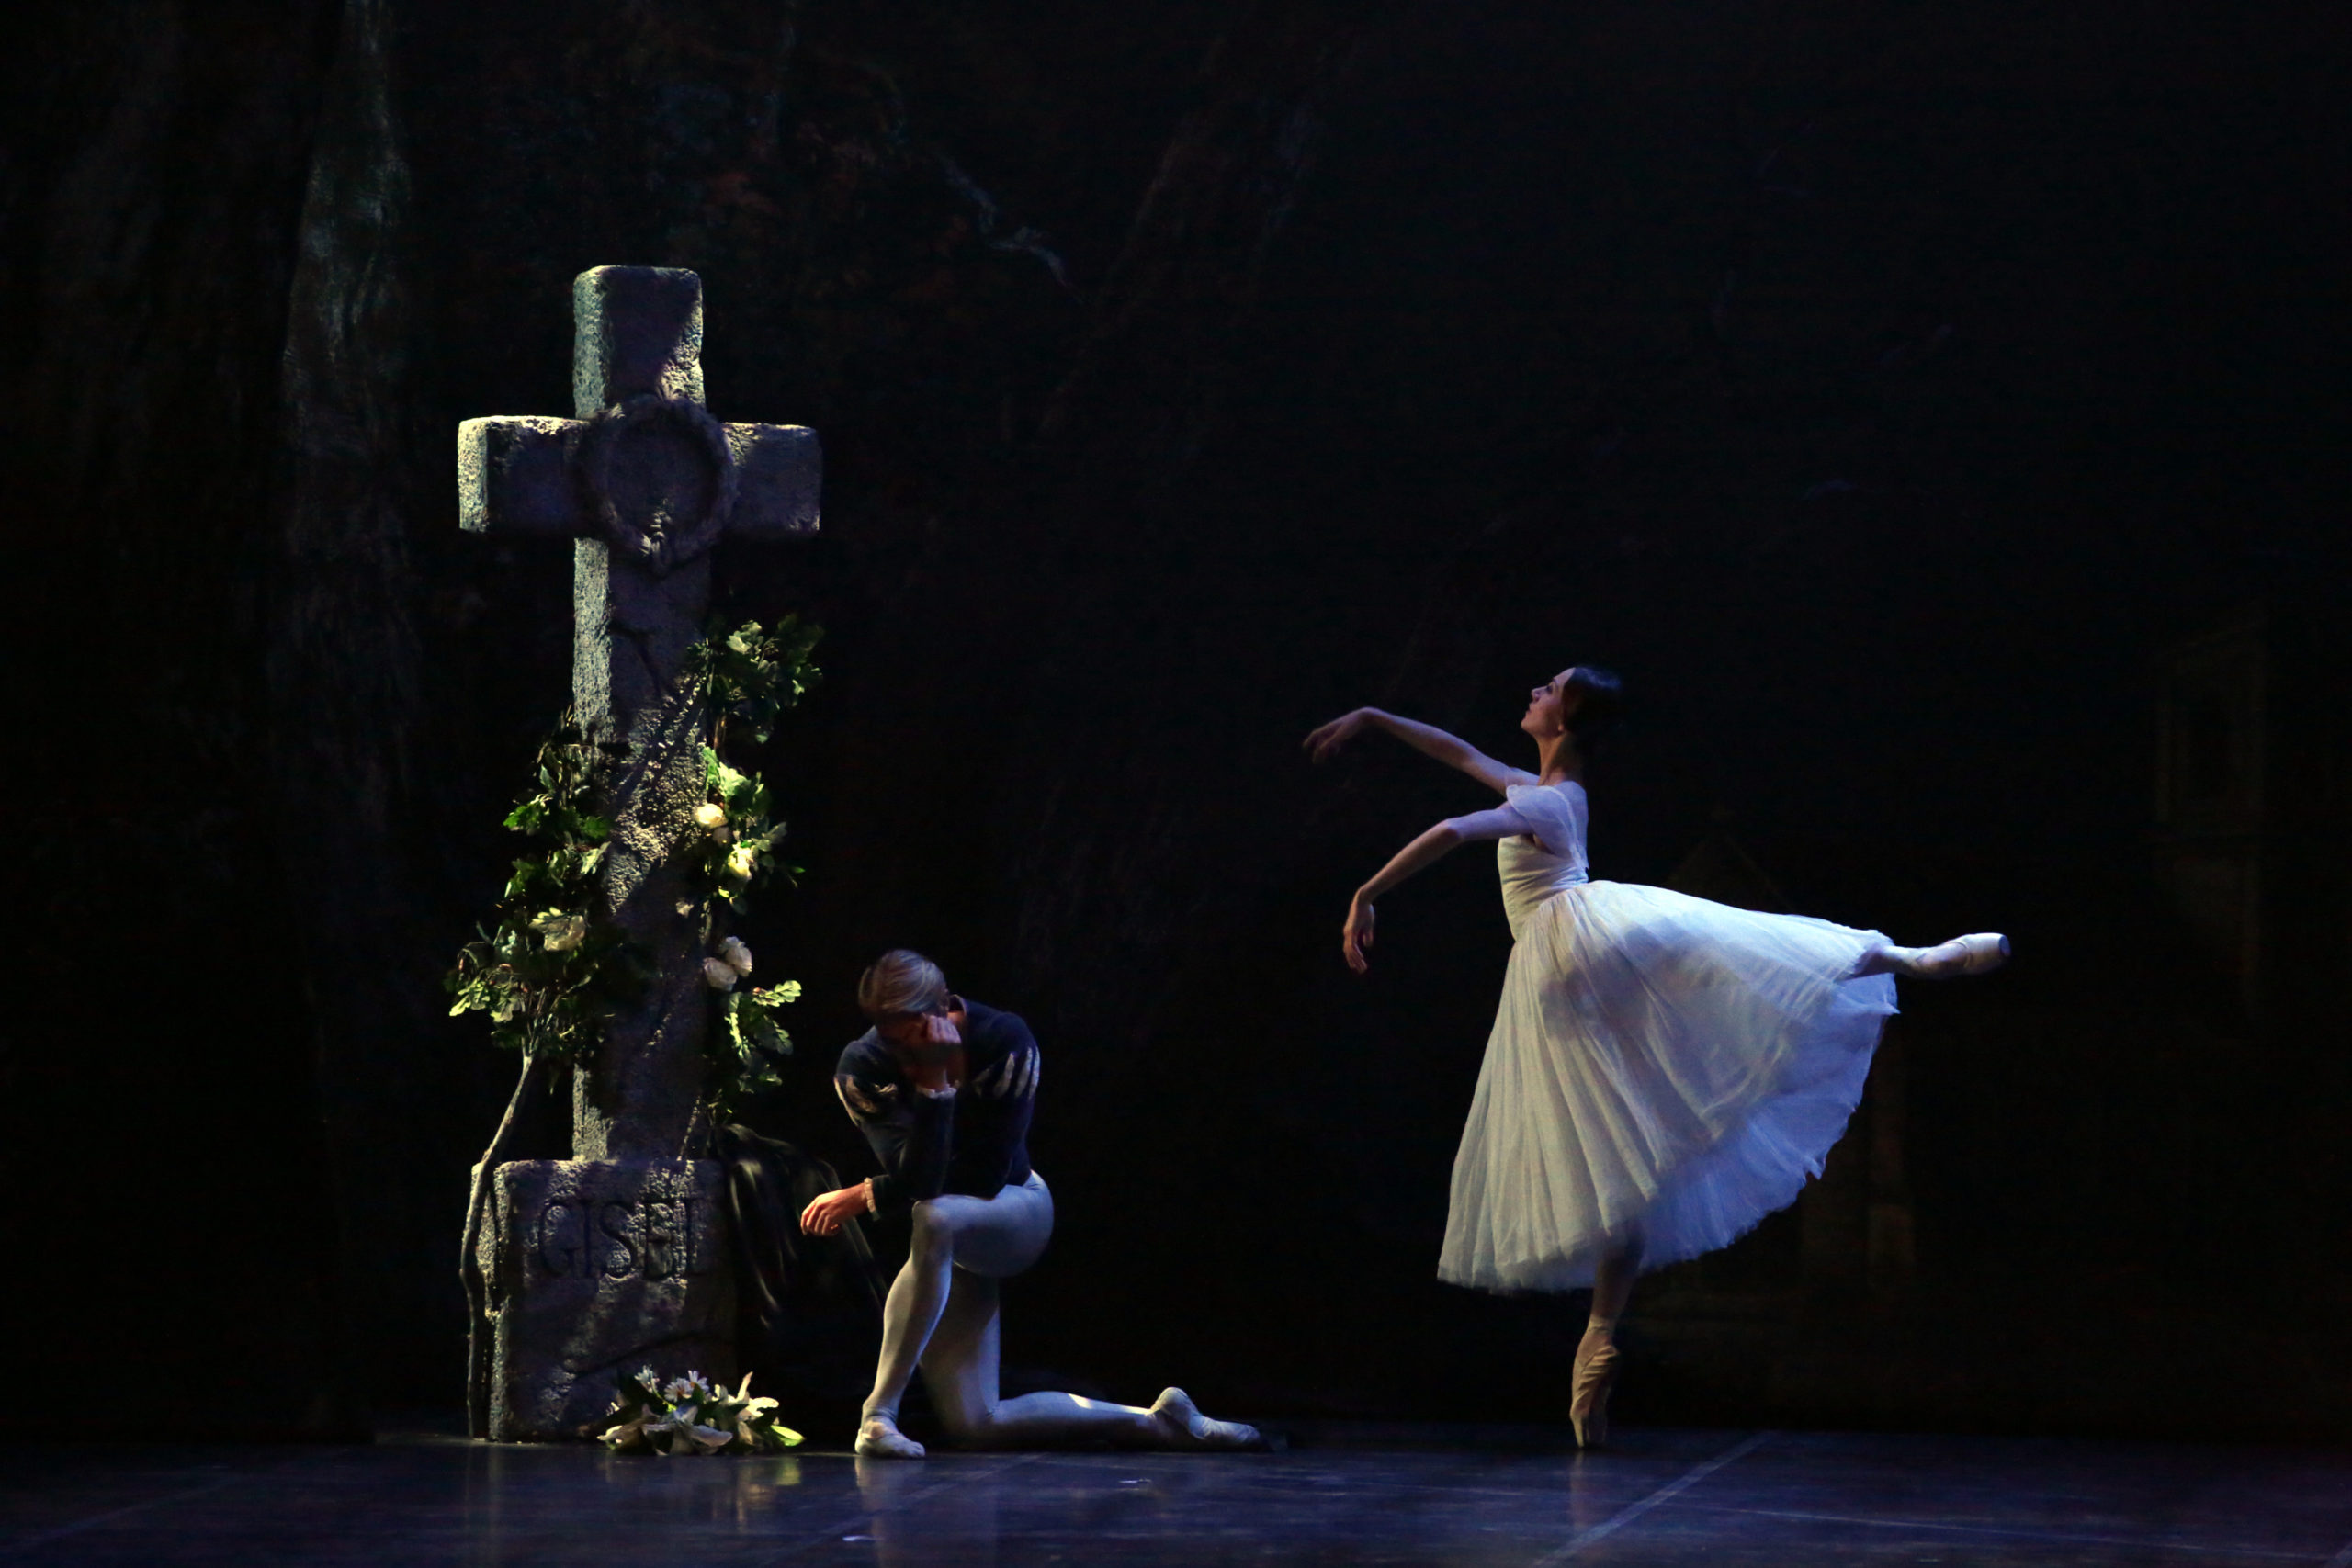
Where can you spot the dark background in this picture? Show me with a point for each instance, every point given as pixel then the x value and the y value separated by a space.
pixel 1936 411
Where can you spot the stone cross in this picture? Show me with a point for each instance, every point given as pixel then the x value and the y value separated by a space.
pixel 617 1257
pixel 644 481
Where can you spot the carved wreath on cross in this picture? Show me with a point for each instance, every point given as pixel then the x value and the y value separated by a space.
pixel 666 548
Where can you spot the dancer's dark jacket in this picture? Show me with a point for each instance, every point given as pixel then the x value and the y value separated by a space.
pixel 974 1141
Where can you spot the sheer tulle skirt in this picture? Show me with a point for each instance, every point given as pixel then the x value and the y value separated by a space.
pixel 1659 1065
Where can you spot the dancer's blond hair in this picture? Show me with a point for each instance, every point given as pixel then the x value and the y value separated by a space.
pixel 899 983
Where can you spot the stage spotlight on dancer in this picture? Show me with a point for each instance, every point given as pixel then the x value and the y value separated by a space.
pixel 1663 1071
pixel 943 1089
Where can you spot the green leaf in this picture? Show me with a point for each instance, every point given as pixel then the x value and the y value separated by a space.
pixel 765 1035
pixel 769 1430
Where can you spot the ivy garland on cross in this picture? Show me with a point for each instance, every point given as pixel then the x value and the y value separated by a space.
pixel 547 972
pixel 752 677
pixel 550 971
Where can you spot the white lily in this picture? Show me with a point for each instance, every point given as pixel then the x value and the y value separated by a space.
pixel 748 1419
pixel 629 1434
pixel 680 1433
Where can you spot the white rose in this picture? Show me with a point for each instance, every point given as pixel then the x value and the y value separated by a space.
pixel 562 933
pixel 710 815
pixel 717 975
pixel 738 957
pixel 741 862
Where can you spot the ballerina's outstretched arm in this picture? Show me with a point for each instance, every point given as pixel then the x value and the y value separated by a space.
pixel 1426 739
pixel 1432 845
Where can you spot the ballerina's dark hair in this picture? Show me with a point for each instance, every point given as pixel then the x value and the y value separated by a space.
pixel 1603 702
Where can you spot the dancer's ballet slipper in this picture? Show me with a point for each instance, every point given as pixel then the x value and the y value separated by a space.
pixel 1978 954
pixel 1594 1376
pixel 879 1437
pixel 1188 1429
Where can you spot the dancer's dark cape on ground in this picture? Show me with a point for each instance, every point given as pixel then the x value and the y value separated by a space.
pixel 809 1308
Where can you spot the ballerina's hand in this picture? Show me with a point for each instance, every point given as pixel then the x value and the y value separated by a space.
pixel 1325 743
pixel 1356 936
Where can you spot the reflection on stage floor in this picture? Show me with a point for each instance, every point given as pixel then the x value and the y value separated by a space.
pixel 1400 1496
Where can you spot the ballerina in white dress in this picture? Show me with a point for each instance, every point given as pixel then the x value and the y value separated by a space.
pixel 1663 1072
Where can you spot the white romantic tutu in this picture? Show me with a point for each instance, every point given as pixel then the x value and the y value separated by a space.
pixel 1659 1065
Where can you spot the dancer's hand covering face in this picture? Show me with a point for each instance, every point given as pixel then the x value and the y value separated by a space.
pixel 926 1044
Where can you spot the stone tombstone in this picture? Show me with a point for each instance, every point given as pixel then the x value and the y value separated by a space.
pixel 643 483
pixel 596 1268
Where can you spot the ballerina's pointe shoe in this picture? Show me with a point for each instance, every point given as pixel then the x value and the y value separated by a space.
pixel 879 1437
pixel 1188 1429
pixel 1595 1375
pixel 1978 954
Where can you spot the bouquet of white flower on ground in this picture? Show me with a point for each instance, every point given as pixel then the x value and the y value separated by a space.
pixel 692 1415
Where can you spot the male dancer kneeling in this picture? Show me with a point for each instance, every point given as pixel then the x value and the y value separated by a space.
pixel 943 1089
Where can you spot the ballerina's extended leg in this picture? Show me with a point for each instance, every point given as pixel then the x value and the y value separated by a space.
pixel 1980 954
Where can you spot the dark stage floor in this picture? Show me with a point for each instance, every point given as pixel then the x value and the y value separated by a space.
pixel 1418 1497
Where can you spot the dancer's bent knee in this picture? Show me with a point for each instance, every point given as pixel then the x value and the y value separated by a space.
pixel 934 1235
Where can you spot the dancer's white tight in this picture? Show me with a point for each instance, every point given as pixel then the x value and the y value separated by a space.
pixel 1940 962
pixel 943 1315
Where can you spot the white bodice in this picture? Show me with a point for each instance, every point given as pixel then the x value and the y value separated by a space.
pixel 1530 872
